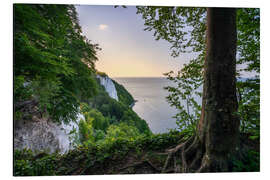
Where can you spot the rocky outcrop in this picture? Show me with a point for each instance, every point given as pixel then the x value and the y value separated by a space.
pixel 39 134
pixel 109 86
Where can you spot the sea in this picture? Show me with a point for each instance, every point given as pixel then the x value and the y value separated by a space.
pixel 151 102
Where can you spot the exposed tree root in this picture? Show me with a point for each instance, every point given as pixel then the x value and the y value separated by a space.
pixel 187 157
pixel 180 154
pixel 193 157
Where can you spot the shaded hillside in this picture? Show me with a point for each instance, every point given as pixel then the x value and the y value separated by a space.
pixel 123 95
pixel 117 111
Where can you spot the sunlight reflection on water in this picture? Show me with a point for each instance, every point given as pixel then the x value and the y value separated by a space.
pixel 151 105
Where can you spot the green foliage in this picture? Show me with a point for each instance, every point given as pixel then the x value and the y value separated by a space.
pixel 248 35
pixel 96 119
pixel 117 111
pixel 160 141
pixel 91 158
pixel 186 94
pixel 44 91
pixel 99 135
pixel 94 125
pixel 131 118
pixel 122 130
pixel 53 62
pixel 249 109
pixel 21 91
pixel 248 48
pixel 86 131
pixel 123 95
pixel 84 108
pixel 28 164
pixel 185 29
pixel 99 129
pixel 106 120
pixel 250 162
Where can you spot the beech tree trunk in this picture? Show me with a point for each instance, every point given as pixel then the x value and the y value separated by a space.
pixel 218 127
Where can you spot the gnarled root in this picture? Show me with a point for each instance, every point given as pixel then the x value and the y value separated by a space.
pixel 189 153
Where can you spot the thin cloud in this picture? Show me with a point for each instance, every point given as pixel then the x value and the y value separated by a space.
pixel 102 26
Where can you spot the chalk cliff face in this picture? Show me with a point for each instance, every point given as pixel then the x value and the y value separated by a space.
pixel 109 86
pixel 40 134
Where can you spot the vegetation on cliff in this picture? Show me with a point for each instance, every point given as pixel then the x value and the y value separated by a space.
pixel 117 111
pixel 123 95
pixel 54 69
pixel 51 73
pixel 53 78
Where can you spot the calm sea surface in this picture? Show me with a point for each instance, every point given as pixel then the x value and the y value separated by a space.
pixel 152 105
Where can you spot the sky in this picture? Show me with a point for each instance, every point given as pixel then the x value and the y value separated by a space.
pixel 127 50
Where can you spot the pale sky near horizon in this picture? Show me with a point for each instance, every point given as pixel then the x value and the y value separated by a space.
pixel 127 50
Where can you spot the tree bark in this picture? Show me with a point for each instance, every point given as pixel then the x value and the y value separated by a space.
pixel 218 127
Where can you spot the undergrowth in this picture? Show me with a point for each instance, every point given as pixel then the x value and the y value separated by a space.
pixel 91 159
pixel 106 158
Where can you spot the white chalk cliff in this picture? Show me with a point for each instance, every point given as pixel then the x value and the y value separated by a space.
pixel 109 86
pixel 40 134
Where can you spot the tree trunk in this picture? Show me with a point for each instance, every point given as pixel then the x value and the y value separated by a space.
pixel 218 127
